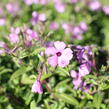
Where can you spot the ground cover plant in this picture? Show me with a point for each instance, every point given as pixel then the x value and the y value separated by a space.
pixel 54 54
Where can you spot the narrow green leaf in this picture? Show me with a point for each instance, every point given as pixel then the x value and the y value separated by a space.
pixel 33 105
pixel 20 71
pixel 67 99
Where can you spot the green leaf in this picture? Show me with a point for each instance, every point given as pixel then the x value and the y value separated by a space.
pixel 32 105
pixel 97 100
pixel 27 80
pixel 45 76
pixel 46 104
pixel 5 71
pixel 20 71
pixel 67 99
pixel 61 83
pixel 62 72
pixel 82 103
pixel 38 50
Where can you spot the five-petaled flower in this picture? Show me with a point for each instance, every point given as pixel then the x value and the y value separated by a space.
pixel 59 54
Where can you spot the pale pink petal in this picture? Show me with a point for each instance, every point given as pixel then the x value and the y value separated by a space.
pixel 53 61
pixel 50 51
pixel 2 52
pixel 60 7
pixel 14 38
pixel 63 62
pixel 59 45
pixel 84 69
pixel 67 53
pixel 17 30
pixel 73 74
pixel 2 21
pixel 42 17
pixel 77 82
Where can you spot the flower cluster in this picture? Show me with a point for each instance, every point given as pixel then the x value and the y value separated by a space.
pixel 37 17
pixel 17 37
pixel 75 31
pixel 84 57
pixel 30 2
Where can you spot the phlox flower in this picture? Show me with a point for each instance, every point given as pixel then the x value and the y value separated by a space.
pixel 85 87
pixel 43 2
pixel 84 69
pixel 59 54
pixel 12 10
pixel 95 5
pixel 78 37
pixel 37 87
pixel 106 10
pixel 37 17
pixel 31 34
pixel 29 2
pixel 54 26
pixel 60 7
pixel 74 1
pixel 83 26
pixel 2 52
pixel 67 28
pixel 14 36
pixel 76 79
pixel 3 44
pixel 1 11
pixel 2 21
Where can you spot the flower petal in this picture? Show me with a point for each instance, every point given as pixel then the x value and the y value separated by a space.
pixel 73 74
pixel 50 51
pixel 67 53
pixel 59 45
pixel 63 62
pixel 53 61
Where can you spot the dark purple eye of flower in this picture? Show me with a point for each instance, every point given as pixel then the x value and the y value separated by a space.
pixel 58 53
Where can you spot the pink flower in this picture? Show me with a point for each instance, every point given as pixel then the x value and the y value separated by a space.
pixel 37 87
pixel 106 10
pixel 2 52
pixel 42 17
pixel 83 26
pixel 84 69
pixel 77 82
pixel 73 74
pixel 3 45
pixel 31 34
pixel 1 11
pixel 60 55
pixel 12 10
pixel 2 21
pixel 77 37
pixel 43 2
pixel 74 1
pixel 60 7
pixel 77 30
pixel 76 79
pixel 85 87
pixel 14 36
pixel 54 26
pixel 29 2
pixel 67 28
pixel 95 5
pixel 37 17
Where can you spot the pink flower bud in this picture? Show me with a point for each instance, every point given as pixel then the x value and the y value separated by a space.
pixel 37 87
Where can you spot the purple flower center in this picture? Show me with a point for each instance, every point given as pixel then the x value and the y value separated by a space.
pixel 58 53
